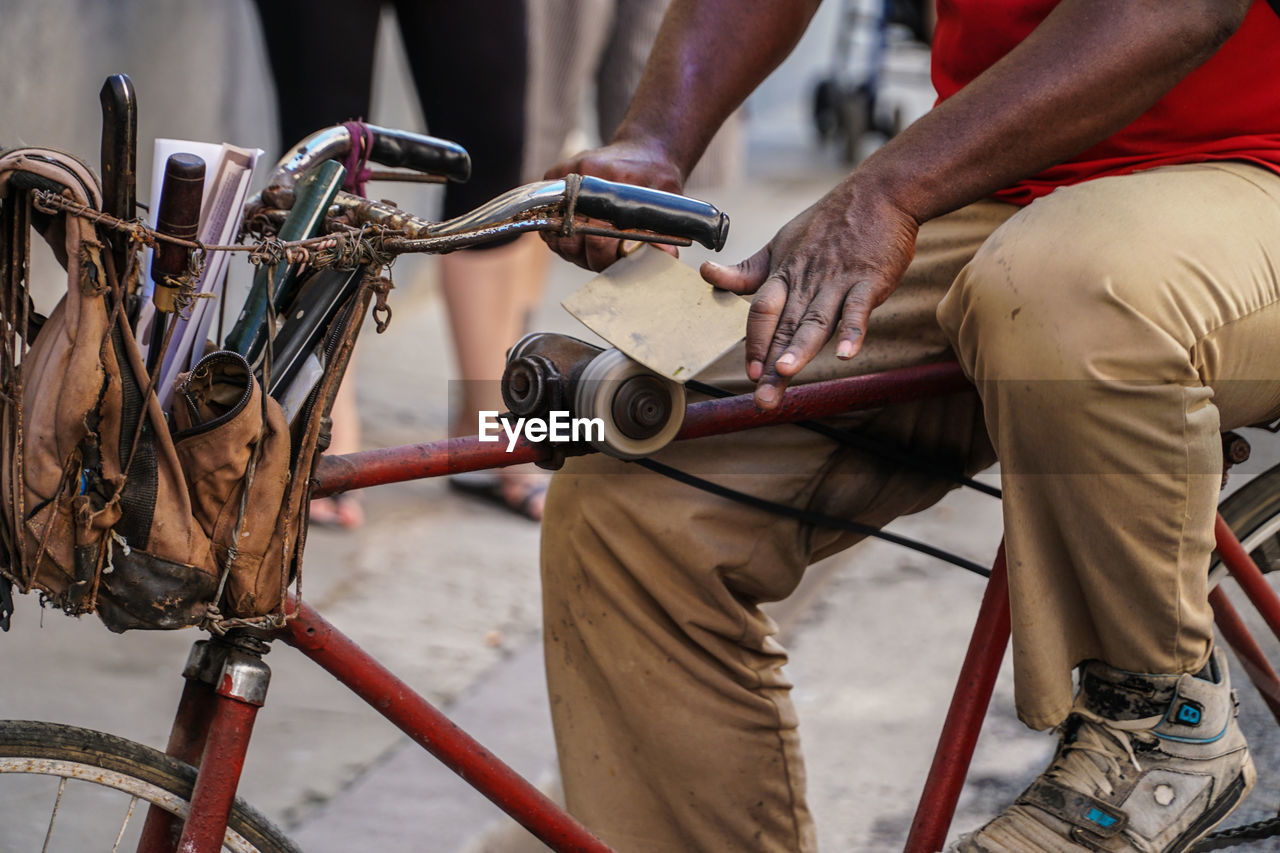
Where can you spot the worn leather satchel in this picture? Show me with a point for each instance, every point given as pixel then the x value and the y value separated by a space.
pixel 106 507
pixel 232 443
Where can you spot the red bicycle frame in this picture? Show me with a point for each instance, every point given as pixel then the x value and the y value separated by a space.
pixel 226 686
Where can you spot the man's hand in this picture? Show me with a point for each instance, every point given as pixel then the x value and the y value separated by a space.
pixel 822 274
pixel 641 163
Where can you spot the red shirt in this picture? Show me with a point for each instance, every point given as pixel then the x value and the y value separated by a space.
pixel 1227 109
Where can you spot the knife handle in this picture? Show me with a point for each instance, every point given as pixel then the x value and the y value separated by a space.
pixel 179 216
pixel 275 287
pixel 119 155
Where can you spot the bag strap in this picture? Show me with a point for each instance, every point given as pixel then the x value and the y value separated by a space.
pixel 49 165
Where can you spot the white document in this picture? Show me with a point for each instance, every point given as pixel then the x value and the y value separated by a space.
pixel 163 150
pixel 228 173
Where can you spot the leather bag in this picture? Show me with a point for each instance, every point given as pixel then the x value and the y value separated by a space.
pixel 107 506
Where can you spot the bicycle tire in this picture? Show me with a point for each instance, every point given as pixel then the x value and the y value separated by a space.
pixel 110 762
pixel 1253 514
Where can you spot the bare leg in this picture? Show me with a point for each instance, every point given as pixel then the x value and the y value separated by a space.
pixel 342 510
pixel 489 295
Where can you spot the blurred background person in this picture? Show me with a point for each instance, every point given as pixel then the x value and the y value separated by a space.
pixel 469 65
pixel 515 82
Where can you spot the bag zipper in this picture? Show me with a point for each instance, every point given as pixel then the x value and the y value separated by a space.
pixel 206 364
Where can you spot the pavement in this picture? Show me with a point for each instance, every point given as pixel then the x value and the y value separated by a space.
pixel 444 590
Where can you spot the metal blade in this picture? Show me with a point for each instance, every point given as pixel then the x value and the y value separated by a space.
pixel 661 313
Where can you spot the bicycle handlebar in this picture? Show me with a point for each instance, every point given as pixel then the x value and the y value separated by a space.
pixel 629 211
pixel 629 206
pixel 545 206
pixel 395 148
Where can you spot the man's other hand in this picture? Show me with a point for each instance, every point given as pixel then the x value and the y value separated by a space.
pixel 822 274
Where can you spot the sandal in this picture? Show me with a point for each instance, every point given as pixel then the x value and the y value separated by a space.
pixel 341 512
pixel 522 494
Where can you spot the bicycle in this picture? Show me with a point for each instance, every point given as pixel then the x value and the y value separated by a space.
pixel 226 677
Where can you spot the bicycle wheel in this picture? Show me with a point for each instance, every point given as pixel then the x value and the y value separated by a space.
pixel 1253 514
pixel 72 789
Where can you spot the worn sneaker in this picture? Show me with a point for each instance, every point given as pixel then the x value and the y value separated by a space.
pixel 1144 763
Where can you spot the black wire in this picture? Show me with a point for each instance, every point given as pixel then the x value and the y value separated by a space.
pixel 809 517
pixel 873 446
pixel 846 437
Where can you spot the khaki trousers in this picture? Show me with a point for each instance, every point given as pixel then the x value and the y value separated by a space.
pixel 1112 329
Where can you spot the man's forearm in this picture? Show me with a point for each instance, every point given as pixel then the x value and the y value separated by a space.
pixel 1088 70
pixel 709 55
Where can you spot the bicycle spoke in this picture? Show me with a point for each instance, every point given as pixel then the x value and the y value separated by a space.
pixel 128 815
pixel 57 804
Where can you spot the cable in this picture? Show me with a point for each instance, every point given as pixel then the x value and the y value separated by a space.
pixel 808 516
pixel 897 455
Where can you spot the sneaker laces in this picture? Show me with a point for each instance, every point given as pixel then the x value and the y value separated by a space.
pixel 1089 760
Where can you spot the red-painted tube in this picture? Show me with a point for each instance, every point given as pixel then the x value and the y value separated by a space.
pixel 191 724
pixel 709 417
pixel 825 399
pixel 415 462
pixel 215 790
pixel 1247 574
pixel 186 743
pixel 344 660
pixel 964 717
pixel 1247 650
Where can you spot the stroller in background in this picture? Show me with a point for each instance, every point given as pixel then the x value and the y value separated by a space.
pixel 849 103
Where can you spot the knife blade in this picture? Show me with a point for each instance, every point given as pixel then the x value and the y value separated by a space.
pixel 321 295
